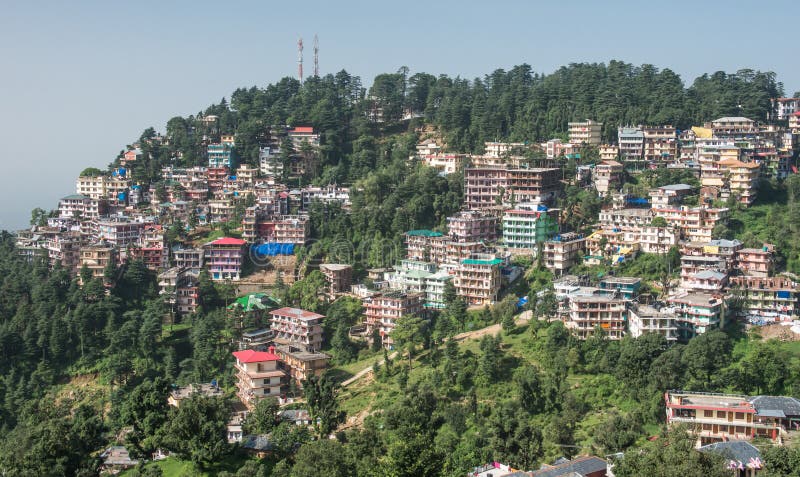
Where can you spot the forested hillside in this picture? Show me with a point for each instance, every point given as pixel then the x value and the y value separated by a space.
pixel 86 366
pixel 514 105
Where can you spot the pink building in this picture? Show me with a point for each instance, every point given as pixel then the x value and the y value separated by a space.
pixel 472 226
pixel 757 262
pixel 382 311
pixel 223 258
pixel 298 327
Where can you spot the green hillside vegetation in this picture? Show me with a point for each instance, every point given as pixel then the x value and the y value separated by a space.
pixel 83 367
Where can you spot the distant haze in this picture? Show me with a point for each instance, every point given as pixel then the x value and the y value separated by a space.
pixel 80 80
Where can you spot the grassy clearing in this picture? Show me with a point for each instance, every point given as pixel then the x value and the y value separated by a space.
pixel 174 467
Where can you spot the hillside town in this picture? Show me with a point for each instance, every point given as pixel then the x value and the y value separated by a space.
pixel 240 225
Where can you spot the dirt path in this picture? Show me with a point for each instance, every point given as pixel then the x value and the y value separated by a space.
pixel 365 371
pixel 522 318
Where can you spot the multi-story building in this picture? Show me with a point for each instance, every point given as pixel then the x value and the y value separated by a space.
pixel 585 132
pixel 305 143
pixel 119 233
pixel 478 280
pixel 179 287
pixel 631 144
pixel 339 277
pixel 188 258
pixel 709 281
pixel 648 319
pixel 687 146
pixel 757 262
pixel 303 134
pixel 660 143
pixel 714 417
pixel 694 223
pixel 151 247
pixel 445 163
pixel 496 188
pixel 785 107
pixel 556 148
pixel 64 248
pixel 131 155
pixel 92 186
pixel 259 374
pixel 766 297
pixel 669 195
pixel 609 152
pixel 301 363
pixel 223 258
pixel 742 178
pixel 246 175
pixel 713 251
pixel 216 177
pixel 292 229
pixel 381 312
pixel 695 313
pixel 528 225
pixel 249 220
pixel 270 162
pixel 327 195
pixel 220 210
pixel 615 218
pixel 607 177
pixel 434 289
pixel 297 327
pixel 500 149
pixel 794 122
pixel 656 240
pixel 411 276
pixel 96 258
pixel 586 313
pixel 472 226
pixel 118 188
pixel 418 244
pixel 733 127
pixel 626 288
pixel 81 207
pixel 221 155
pixel 563 252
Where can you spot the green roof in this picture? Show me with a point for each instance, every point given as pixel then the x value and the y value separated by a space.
pixel 417 274
pixel 254 301
pixel 471 261
pixel 423 233
pixel 76 196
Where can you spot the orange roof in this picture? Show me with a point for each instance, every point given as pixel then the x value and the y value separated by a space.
pixel 738 163
pixel 303 129
pixel 250 356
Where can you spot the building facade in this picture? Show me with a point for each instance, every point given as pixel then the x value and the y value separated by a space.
pixel 297 327
pixel 259 374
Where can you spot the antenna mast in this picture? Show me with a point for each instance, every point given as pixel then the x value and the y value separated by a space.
pixel 316 55
pixel 300 58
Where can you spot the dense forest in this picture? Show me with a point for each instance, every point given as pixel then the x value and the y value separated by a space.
pixel 82 368
pixel 515 105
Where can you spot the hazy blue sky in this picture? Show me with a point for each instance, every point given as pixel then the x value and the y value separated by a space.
pixel 79 80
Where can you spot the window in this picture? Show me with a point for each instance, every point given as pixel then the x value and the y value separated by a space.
pixel 708 413
pixel 720 414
